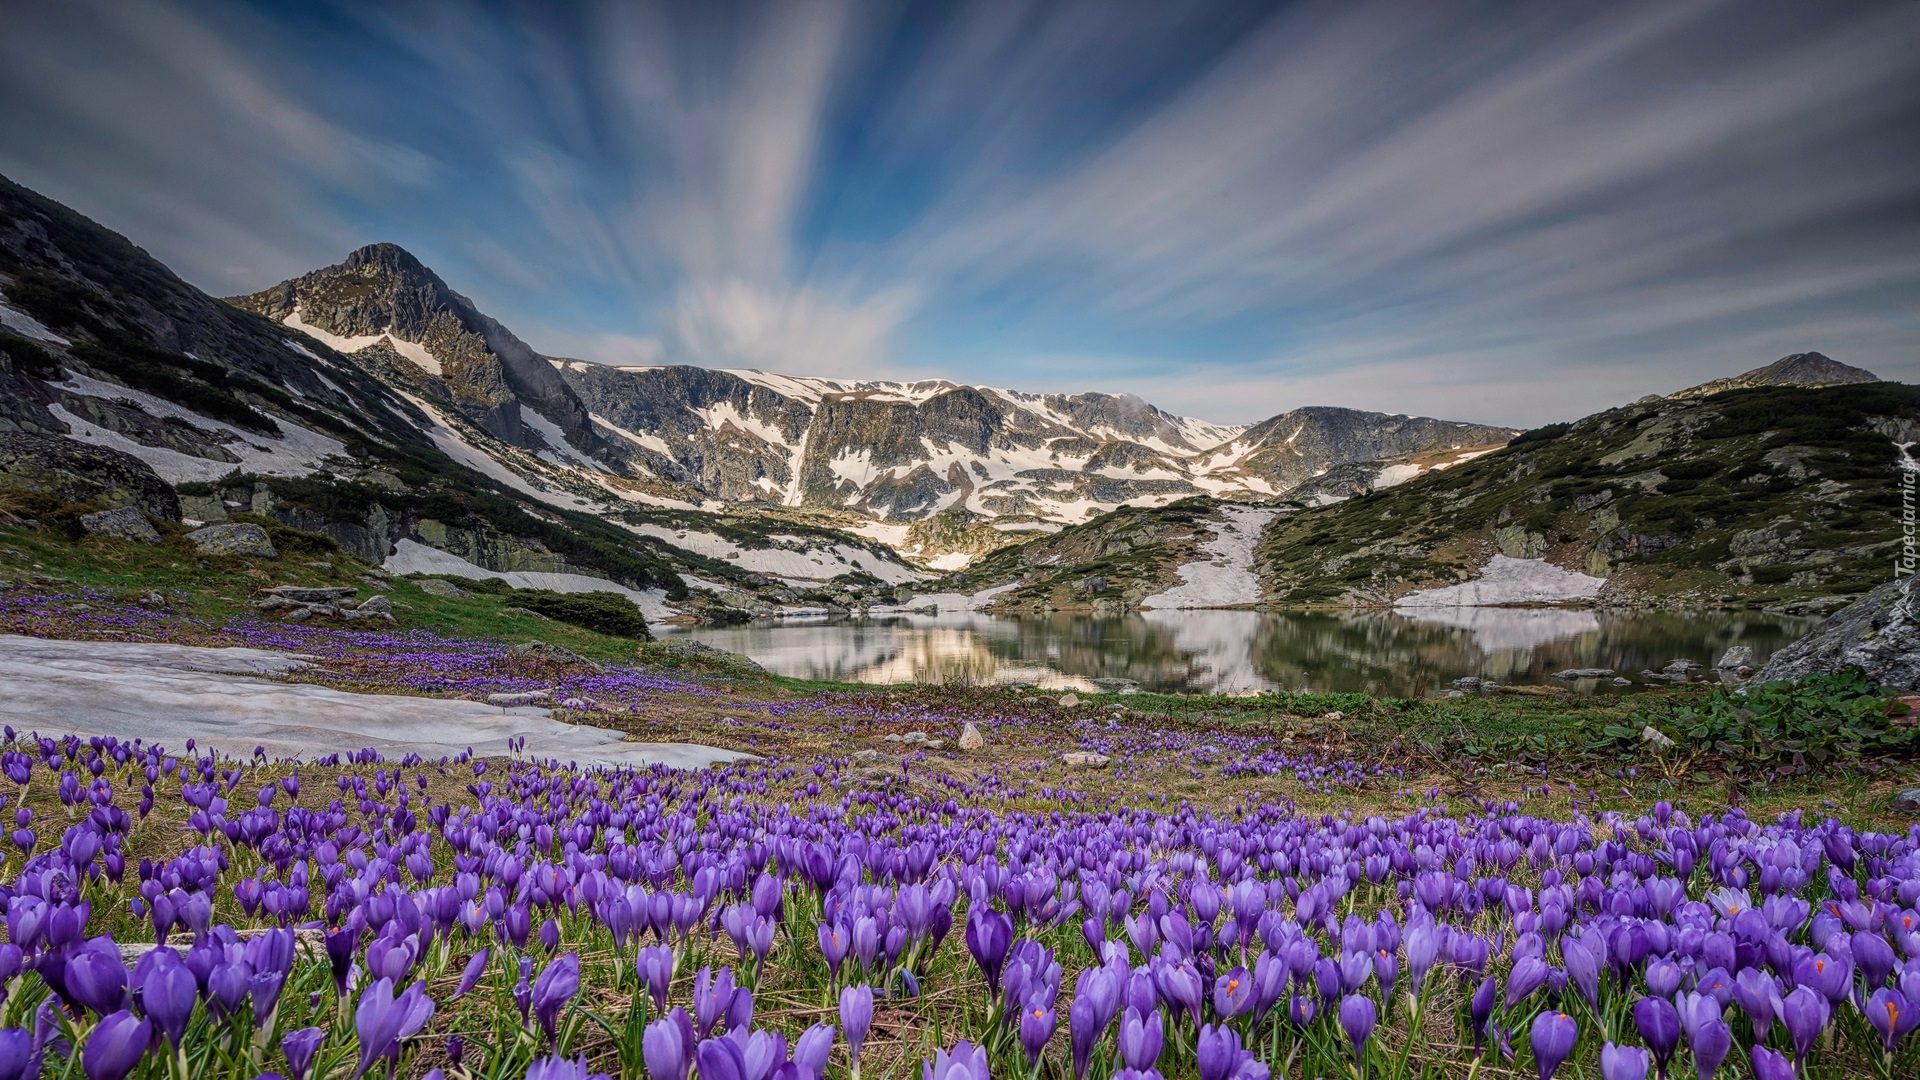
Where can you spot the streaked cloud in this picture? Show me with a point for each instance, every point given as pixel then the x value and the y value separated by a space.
pixel 1505 212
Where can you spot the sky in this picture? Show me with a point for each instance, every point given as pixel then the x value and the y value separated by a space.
pixel 1511 213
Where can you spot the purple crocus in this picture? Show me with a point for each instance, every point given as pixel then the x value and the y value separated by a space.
pixel 965 1062
pixel 1769 1065
pixel 115 1046
pixel 856 1019
pixel 383 1019
pixel 553 990
pixel 1141 1039
pixel 1357 1018
pixel 167 992
pixel 1623 1062
pixel 812 1048
pixel 1805 1014
pixel 1037 1022
pixel 19 1057
pixel 300 1047
pixel 989 937
pixel 655 966
pixel 470 976
pixel 1711 1040
pixel 1659 1025
pixel 667 1046
pixel 1891 1016
pixel 1553 1036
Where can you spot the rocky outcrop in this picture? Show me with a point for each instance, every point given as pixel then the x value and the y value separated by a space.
pixel 382 290
pixel 1879 633
pixel 75 472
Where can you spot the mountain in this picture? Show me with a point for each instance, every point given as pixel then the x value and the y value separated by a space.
pixel 1772 495
pixel 906 452
pixel 381 295
pixel 115 376
pixel 1800 369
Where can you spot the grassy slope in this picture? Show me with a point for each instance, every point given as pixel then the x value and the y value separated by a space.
pixel 1134 548
pixel 1761 497
pixel 218 589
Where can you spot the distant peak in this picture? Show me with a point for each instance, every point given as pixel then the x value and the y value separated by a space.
pixel 1805 369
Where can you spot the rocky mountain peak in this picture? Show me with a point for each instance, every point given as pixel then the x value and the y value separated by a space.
pixel 1808 369
pixel 381 295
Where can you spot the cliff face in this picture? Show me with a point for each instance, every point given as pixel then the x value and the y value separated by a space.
pixel 489 375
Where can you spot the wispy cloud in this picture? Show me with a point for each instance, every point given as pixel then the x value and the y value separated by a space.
pixel 1493 210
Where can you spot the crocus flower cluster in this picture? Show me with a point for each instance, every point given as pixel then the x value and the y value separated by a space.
pixel 174 913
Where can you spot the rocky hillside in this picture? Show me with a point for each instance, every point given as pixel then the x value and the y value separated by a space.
pixel 1772 495
pixel 1110 563
pixel 453 353
pixel 906 452
pixel 117 378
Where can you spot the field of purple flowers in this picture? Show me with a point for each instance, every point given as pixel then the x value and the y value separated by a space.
pixel 799 917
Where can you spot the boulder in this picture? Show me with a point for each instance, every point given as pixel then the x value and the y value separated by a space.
pixel 121 523
pixel 235 538
pixel 306 594
pixel 971 739
pixel 540 650
pixel 443 588
pixel 76 472
pixel 1572 674
pixel 1735 658
pixel 1879 633
pixel 525 697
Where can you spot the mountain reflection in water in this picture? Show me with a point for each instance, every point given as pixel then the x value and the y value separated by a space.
pixel 1395 654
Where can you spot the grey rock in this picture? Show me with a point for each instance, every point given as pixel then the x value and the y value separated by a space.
pixel 76 472
pixel 1113 685
pixel 548 652
pixel 934 744
pixel 307 594
pixel 865 757
pixel 1653 738
pixel 236 539
pixel 524 697
pixel 1879 633
pixel 1907 801
pixel 914 738
pixel 1467 684
pixel 971 739
pixel 1681 668
pixel 1082 759
pixel 1621 680
pixel 1583 673
pixel 375 603
pixel 892 738
pixel 1068 701
pixel 121 523
pixel 1736 656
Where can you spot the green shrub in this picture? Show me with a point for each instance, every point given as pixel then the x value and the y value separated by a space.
pixel 601 612
pixel 1824 719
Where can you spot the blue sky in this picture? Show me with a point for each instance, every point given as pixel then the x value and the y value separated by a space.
pixel 1511 213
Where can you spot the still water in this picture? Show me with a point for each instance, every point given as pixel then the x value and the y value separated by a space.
pixel 1400 654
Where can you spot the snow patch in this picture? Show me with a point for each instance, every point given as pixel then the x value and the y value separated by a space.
pixel 297 452
pixel 413 351
pixel 1223 575
pixel 27 326
pixel 1507 580
pixel 413 557
pixel 167 694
